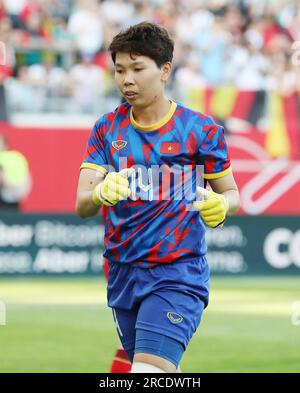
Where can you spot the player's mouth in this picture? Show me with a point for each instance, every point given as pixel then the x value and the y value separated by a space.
pixel 130 95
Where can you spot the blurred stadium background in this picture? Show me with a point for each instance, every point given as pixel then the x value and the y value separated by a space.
pixel 238 60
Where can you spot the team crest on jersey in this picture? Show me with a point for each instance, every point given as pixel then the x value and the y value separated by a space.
pixel 119 144
pixel 174 318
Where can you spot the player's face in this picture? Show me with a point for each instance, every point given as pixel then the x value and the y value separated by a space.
pixel 139 79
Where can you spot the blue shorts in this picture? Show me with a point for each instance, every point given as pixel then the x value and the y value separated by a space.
pixel 167 300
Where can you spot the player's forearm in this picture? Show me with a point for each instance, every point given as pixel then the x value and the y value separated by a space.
pixel 233 199
pixel 85 207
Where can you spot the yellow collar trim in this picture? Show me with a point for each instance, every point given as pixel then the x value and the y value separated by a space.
pixel 159 124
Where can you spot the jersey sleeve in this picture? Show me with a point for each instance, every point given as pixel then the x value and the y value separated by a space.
pixel 214 151
pixel 94 155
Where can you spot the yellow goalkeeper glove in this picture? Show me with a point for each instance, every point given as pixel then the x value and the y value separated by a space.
pixel 213 208
pixel 114 188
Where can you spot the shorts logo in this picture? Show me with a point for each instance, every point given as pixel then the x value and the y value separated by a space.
pixel 174 318
pixel 119 144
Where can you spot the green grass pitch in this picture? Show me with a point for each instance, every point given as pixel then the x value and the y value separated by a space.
pixel 64 325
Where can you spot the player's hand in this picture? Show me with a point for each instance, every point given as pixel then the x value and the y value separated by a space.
pixel 114 188
pixel 213 207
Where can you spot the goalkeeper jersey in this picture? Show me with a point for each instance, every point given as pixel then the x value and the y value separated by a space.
pixel 157 223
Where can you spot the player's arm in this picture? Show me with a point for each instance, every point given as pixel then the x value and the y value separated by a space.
pixel 227 187
pixel 222 201
pixel 89 179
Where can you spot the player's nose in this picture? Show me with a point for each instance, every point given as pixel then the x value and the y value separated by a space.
pixel 128 79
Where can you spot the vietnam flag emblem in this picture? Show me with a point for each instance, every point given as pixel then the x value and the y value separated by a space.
pixel 119 144
pixel 170 148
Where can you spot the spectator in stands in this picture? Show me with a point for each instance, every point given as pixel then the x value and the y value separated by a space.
pixel 15 180
pixel 88 85
pixel 13 9
pixel 234 39
pixel 2 11
pixel 246 67
pixel 3 106
pixel 32 18
pixel 6 60
pixel 118 12
pixel 189 77
pixel 86 26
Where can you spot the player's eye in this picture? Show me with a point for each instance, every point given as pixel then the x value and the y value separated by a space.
pixel 138 69
pixel 119 71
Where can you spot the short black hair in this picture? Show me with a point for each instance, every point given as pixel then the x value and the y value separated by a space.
pixel 144 39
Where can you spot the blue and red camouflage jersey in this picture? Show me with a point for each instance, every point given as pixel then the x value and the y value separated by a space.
pixel 155 226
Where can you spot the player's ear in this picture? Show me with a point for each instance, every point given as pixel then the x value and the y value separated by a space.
pixel 166 71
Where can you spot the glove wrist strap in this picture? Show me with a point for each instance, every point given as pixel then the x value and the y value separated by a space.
pixel 96 196
pixel 98 199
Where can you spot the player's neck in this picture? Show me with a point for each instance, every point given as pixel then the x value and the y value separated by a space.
pixel 153 113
